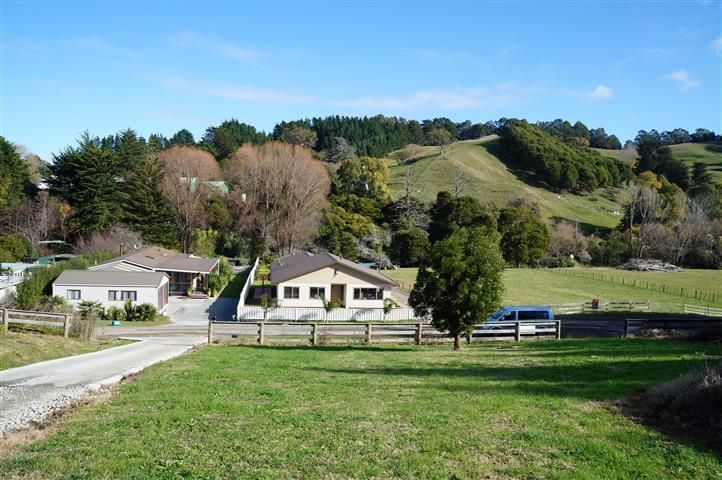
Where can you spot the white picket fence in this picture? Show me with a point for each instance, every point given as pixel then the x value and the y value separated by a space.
pixel 320 315
pixel 702 310
pixel 246 288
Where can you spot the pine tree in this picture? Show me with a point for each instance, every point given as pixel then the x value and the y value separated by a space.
pixel 145 206
pixel 87 177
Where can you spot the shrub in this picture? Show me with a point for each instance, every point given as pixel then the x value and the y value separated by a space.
pixel 145 312
pixel 691 403
pixel 83 325
pixel 115 313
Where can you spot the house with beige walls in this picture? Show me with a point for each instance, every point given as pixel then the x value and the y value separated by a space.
pixel 304 279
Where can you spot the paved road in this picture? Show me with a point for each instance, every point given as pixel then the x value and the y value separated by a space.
pixel 29 394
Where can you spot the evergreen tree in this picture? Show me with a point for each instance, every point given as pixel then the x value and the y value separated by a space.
pixel 460 284
pixel 14 175
pixel 182 137
pixel 145 206
pixel 524 236
pixel 87 177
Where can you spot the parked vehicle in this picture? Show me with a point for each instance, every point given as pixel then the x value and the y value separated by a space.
pixel 519 313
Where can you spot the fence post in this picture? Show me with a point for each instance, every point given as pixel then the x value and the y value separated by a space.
pixel 517 331
pixel 6 324
pixel 419 329
pixel 260 332
pixel 66 325
pixel 468 338
pixel 210 331
pixel 368 333
pixel 559 329
pixel 626 327
pixel 314 334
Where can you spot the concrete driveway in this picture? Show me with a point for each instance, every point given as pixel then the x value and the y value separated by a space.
pixel 32 393
pixel 196 311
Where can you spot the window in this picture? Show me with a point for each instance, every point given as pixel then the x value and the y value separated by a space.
pixel 534 315
pixel 290 292
pixel 368 293
pixel 113 295
pixel 73 294
pixel 318 292
pixel 508 317
pixel 131 295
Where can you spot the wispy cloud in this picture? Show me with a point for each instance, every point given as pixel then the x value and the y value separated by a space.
pixel 716 46
pixel 684 79
pixel 98 44
pixel 656 52
pixel 600 93
pixel 502 94
pixel 241 93
pixel 440 55
pixel 216 46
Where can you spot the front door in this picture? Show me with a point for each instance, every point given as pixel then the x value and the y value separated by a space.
pixel 337 293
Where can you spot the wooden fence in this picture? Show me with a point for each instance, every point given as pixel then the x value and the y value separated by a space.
pixel 646 284
pixel 418 333
pixel 635 324
pixel 586 307
pixel 45 319
pixel 702 310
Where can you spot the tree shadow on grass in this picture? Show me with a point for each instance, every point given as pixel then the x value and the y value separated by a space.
pixel 328 348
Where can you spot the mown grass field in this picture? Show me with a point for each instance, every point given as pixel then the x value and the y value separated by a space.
pixel 23 348
pixel 530 410
pixel 490 179
pixel 707 153
pixel 527 286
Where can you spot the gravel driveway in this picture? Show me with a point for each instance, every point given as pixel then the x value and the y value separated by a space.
pixel 31 393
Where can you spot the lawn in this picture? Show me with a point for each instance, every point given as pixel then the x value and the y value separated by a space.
pixel 234 287
pixel 490 180
pixel 530 410
pixel 525 286
pixel 707 153
pixel 25 347
pixel 157 321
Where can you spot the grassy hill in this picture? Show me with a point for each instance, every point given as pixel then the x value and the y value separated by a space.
pixel 709 153
pixel 542 286
pixel 491 179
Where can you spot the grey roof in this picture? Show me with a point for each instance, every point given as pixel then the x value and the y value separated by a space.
pixel 157 258
pixel 110 278
pixel 300 263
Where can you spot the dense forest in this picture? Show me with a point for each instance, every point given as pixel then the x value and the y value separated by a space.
pixel 322 183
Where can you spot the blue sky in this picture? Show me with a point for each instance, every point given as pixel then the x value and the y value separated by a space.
pixel 68 67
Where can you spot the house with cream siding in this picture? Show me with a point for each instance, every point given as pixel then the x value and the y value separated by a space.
pixel 303 279
pixel 187 272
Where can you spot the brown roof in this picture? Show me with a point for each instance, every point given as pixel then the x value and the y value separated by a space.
pixel 300 263
pixel 110 278
pixel 157 258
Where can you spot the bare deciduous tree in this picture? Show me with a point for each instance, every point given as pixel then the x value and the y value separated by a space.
pixel 692 225
pixel 458 182
pixel 110 241
pixel 187 169
pixel 278 191
pixel 649 206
